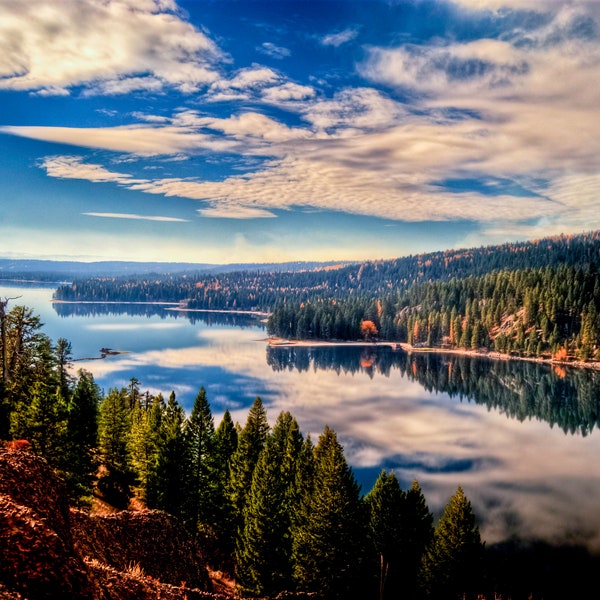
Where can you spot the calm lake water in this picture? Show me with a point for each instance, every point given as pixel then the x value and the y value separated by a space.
pixel 521 438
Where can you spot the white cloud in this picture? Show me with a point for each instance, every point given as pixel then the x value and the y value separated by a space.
pixel 142 140
pixel 496 5
pixel 135 217
pixel 255 126
pixel 248 79
pixel 73 167
pixel 274 51
pixel 287 92
pixel 356 108
pixel 109 47
pixel 339 38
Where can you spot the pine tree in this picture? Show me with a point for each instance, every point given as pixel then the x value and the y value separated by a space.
pixel 226 437
pixel 172 461
pixel 64 355
pixel 43 422
pixel 203 493
pixel 331 540
pixel 386 505
pixel 453 562
pixel 113 431
pixel 264 548
pixel 82 426
pixel 417 528
pixel 251 441
pixel 143 442
pixel 155 417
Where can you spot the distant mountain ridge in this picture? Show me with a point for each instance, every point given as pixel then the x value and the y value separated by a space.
pixel 51 270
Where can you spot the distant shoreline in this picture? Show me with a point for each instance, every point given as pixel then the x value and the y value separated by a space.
pixel 174 306
pixel 275 342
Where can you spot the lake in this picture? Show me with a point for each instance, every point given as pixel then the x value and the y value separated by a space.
pixel 521 438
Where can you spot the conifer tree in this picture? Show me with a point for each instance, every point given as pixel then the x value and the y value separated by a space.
pixel 82 426
pixel 264 548
pixel 64 355
pixel 453 562
pixel 143 447
pixel 155 417
pixel 251 441
pixel 203 492
pixel 226 437
pixel 113 431
pixel 417 527
pixel 331 539
pixel 386 505
pixel 172 461
pixel 43 422
pixel 226 441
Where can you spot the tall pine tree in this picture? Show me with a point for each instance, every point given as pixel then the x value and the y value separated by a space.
pixel 172 461
pixel 453 562
pixel 113 431
pixel 386 503
pixel 251 441
pixel 330 542
pixel 203 496
pixel 226 439
pixel 264 549
pixel 82 430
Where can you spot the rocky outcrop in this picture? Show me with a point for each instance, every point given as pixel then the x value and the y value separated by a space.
pixel 51 551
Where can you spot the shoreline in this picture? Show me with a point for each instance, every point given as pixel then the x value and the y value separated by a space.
pixel 173 306
pixel 491 355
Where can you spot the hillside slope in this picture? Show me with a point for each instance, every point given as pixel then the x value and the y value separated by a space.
pixel 52 551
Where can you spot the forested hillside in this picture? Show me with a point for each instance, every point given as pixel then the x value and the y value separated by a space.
pixel 537 299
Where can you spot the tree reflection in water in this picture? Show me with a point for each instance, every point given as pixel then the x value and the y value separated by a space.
pixel 568 398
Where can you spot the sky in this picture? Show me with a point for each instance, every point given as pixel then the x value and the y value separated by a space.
pixel 268 131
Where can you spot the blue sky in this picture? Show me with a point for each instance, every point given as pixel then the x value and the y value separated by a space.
pixel 222 131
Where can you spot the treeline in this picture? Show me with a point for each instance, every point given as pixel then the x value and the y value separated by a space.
pixel 263 290
pixel 544 312
pixel 535 299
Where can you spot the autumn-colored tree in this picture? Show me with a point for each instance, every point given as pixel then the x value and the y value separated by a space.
pixel 368 330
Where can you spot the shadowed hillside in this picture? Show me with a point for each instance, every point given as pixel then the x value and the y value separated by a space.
pixel 52 551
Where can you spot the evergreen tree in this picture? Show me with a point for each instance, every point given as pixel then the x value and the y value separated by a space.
pixel 82 426
pixel 64 355
pixel 171 478
pixel 203 493
pixel 43 422
pixel 113 431
pixel 332 537
pixel 251 441
pixel 301 514
pixel 154 421
pixel 264 548
pixel 417 533
pixel 386 505
pixel 226 437
pixel 143 442
pixel 453 562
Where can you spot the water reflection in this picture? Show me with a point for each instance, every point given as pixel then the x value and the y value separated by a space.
pixel 563 397
pixel 167 310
